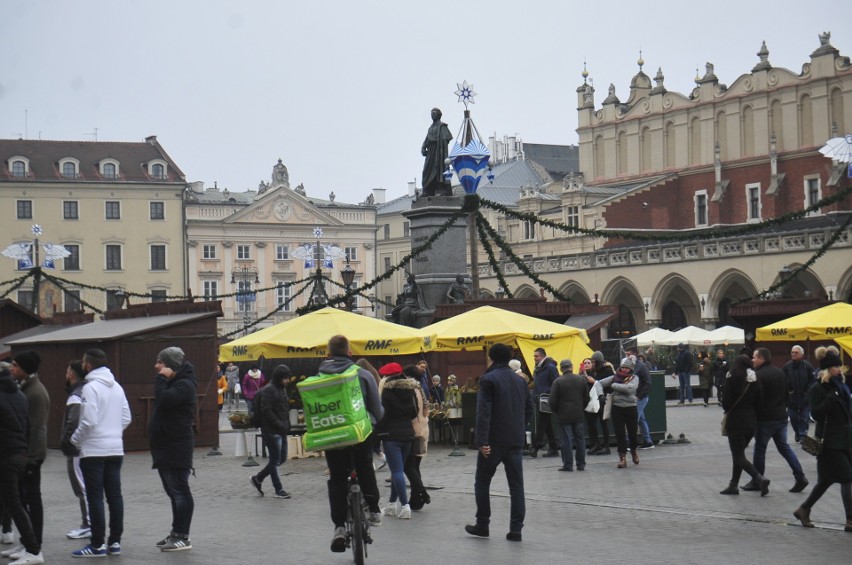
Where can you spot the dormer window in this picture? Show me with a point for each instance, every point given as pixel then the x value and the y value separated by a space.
pixel 19 167
pixel 108 168
pixel 157 170
pixel 69 168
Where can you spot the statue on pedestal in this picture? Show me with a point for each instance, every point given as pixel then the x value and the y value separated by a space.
pixel 458 291
pixel 435 149
pixel 408 303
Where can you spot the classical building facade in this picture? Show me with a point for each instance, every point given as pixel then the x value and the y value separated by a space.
pixel 117 207
pixel 259 241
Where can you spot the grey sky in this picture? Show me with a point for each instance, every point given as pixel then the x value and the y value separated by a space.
pixel 341 90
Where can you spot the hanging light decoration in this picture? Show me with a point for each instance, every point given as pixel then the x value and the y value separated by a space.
pixel 469 156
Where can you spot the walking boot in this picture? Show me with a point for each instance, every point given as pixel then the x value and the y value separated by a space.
pixel 635 455
pixel 751 486
pixel 804 516
pixel 848 526
pixel 764 485
pixel 732 489
pixel 622 460
pixel 594 450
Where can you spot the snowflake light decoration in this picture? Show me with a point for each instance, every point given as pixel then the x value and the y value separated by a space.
pixel 36 229
pixel 465 93
pixel 317 233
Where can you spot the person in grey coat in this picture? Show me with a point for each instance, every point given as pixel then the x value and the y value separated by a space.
pixel 569 396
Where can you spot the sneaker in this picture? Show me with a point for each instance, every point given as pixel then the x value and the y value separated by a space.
pixel 7 538
pixel 381 463
pixel 27 558
pixel 79 533
pixel 114 548
pixel 338 540
pixel 404 513
pixel 90 551
pixel 393 508
pixel 647 445
pixel 177 544
pixel 282 494
pixel 164 541
pixel 12 550
pixel 256 484
pixel 375 518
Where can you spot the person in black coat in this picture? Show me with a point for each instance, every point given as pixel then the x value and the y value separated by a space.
pixel 741 399
pixel 544 375
pixel 172 440
pixel 569 396
pixel 274 409
pixel 830 407
pixel 397 431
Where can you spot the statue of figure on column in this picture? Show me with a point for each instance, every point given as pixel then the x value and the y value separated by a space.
pixel 457 291
pixel 408 303
pixel 436 148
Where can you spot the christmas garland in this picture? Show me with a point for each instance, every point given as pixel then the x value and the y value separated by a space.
pixel 491 259
pixel 61 286
pixel 277 309
pixel 16 284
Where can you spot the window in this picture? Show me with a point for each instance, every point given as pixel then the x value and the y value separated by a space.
pixel 72 301
pixel 813 192
pixel 529 229
pixel 113 257
pixel 701 208
pixel 753 198
pixel 109 171
pixel 387 231
pixel 72 262
pixel 114 299
pixel 70 210
pixel 208 251
pixel 19 169
pixel 113 210
pixel 158 171
pixel 25 209
pixel 158 295
pixel 282 252
pixel 69 170
pixel 573 216
pixel 282 295
pixel 25 299
pixel 158 210
pixel 406 229
pixel 210 290
pixel 350 253
pixel 387 264
pixel 243 252
pixel 158 257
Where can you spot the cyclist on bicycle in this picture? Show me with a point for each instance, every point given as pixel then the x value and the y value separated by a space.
pixel 360 456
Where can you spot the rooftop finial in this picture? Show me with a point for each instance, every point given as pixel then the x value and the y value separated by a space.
pixel 641 61
pixel 585 73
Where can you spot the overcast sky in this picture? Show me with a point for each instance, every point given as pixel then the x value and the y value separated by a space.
pixel 341 89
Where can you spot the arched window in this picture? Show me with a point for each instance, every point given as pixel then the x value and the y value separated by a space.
pixel 670 145
pixel 69 170
pixel 777 123
pixel 109 170
pixel 622 153
pixel 806 122
pixel 158 171
pixel 837 121
pixel 674 317
pixel 600 161
pixel 19 169
pixel 747 129
pixel 646 149
pixel 622 326
pixel 722 135
pixel 695 141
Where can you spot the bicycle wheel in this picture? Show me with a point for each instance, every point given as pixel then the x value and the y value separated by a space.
pixel 356 510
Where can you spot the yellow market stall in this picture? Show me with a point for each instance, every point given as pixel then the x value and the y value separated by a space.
pixel 829 322
pixel 846 344
pixel 487 325
pixel 307 337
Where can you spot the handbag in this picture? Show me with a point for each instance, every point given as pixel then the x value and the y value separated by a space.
pixel 812 445
pixel 544 403
pixel 725 415
pixel 607 410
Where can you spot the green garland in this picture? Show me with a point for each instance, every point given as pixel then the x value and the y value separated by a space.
pixel 277 309
pixel 61 286
pixel 491 259
pixel 16 284
pixel 504 246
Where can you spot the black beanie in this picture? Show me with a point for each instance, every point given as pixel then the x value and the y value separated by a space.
pixel 830 360
pixel 28 361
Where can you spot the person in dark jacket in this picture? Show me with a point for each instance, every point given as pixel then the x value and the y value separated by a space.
pixel 720 370
pixel 599 370
pixel 274 427
pixel 772 420
pixel 742 396
pixel 544 375
pixel 801 376
pixel 503 410
pixel 569 396
pixel 13 462
pixel 74 380
pixel 683 370
pixel 173 439
pixel 830 408
pixel 397 431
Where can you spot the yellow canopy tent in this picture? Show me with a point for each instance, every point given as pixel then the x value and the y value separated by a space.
pixel 846 344
pixel 828 322
pixel 487 325
pixel 308 335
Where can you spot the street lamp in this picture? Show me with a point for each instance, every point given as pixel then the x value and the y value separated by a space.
pixel 243 276
pixel 348 276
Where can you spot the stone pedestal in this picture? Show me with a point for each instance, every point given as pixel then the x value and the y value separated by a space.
pixel 436 269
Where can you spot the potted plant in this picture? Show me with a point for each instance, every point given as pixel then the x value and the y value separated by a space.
pixel 239 420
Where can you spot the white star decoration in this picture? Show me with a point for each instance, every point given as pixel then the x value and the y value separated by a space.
pixel 465 93
pixel 36 229
pixel 318 232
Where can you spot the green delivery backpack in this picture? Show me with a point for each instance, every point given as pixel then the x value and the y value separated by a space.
pixel 335 414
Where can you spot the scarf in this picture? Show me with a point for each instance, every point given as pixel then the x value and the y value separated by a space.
pixel 254 374
pixel 842 389
pixel 623 376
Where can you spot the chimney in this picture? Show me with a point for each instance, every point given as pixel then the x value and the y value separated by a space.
pixel 197 186
pixel 379 195
pixel 152 139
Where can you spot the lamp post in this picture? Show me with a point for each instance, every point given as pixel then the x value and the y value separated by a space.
pixel 348 276
pixel 243 276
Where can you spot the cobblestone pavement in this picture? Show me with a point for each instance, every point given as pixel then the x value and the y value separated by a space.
pixel 665 510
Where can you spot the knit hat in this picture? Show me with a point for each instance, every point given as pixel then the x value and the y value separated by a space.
pixel 515 365
pixel 28 361
pixel 598 358
pixel 390 369
pixel 831 359
pixel 628 362
pixel 566 364
pixel 436 379
pixel 171 357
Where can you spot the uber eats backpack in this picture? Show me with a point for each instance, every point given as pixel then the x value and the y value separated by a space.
pixel 335 414
pixel 254 416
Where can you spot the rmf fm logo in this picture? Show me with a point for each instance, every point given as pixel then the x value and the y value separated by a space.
pixel 470 339
pixel 543 337
pixel 838 331
pixel 373 344
pixel 239 350
pixel 780 331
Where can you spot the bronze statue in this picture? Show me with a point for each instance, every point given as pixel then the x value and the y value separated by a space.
pixel 435 149
pixel 458 291
pixel 408 303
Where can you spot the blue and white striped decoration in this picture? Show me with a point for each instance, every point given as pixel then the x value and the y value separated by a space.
pixel 470 163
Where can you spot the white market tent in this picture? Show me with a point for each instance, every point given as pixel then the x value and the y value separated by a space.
pixel 654 336
pixel 728 335
pixel 689 335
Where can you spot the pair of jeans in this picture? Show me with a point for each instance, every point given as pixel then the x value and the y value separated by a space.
pixel 277 449
pixel 340 463
pixel 176 484
pixel 30 485
pixel 643 425
pixel 776 431
pixel 573 438
pixel 512 459
pixel 800 418
pixel 624 426
pixel 685 392
pixel 396 452
pixel 11 472
pixel 102 477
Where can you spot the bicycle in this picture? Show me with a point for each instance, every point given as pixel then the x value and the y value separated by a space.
pixel 357 523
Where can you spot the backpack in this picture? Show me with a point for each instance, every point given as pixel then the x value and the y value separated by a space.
pixel 255 418
pixel 335 414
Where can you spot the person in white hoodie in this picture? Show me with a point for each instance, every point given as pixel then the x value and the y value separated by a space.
pixel 104 414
